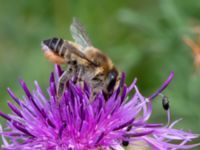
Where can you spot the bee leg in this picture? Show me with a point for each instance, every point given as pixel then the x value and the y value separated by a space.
pixel 97 86
pixel 80 73
pixel 62 81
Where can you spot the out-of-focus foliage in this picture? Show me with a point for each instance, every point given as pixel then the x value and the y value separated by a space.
pixel 143 38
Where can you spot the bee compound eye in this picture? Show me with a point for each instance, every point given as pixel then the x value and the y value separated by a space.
pixel 112 77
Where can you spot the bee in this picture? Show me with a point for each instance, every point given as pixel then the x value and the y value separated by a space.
pixel 83 60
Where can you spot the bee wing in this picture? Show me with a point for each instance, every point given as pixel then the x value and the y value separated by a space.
pixel 79 34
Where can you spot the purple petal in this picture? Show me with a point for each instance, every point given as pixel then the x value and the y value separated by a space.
pixel 78 122
pixel 166 83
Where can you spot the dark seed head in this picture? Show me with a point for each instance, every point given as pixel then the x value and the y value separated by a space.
pixel 125 143
pixel 165 103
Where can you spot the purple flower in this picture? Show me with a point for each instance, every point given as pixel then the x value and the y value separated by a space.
pixel 78 123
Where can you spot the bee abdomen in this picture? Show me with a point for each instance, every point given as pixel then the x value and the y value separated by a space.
pixel 55 45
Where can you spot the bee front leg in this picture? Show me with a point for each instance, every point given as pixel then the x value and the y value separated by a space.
pixel 97 86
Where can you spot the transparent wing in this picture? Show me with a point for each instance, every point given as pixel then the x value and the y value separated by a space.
pixel 79 34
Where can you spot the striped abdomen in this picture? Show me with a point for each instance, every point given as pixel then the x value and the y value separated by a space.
pixel 64 49
pixel 56 45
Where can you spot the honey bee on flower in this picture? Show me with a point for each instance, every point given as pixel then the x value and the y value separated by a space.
pixel 84 61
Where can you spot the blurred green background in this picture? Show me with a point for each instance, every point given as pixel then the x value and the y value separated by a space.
pixel 143 38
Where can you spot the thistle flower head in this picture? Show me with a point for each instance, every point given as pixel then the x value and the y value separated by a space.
pixel 37 122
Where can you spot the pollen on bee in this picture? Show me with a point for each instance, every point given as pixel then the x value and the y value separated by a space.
pixel 51 56
pixel 54 58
